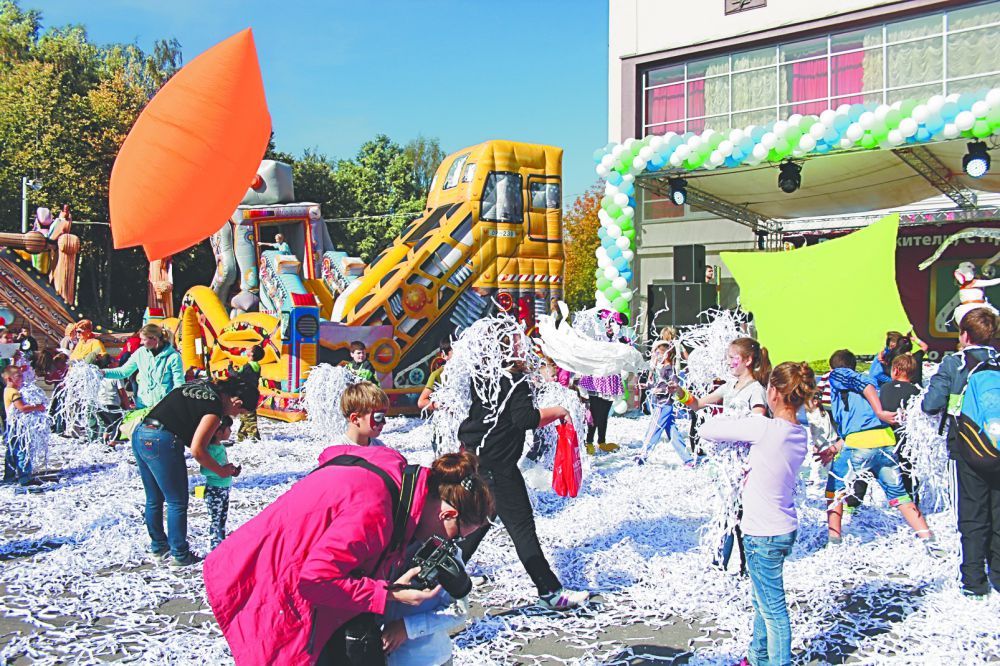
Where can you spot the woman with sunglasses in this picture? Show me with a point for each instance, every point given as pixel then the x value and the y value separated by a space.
pixel 292 584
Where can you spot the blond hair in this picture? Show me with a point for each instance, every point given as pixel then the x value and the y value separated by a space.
pixel 363 398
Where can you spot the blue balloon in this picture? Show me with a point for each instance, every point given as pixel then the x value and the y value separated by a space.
pixel 949 111
pixel 855 112
pixel 757 133
pixel 966 100
pixel 627 274
pixel 823 147
pixel 607 242
pixel 598 155
pixel 614 251
pixel 655 164
pixel 627 188
pixel 614 178
pixel 841 123
pixel 619 263
pixel 731 161
pixel 923 134
pixel 602 233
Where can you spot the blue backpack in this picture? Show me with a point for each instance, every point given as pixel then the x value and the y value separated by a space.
pixel 977 426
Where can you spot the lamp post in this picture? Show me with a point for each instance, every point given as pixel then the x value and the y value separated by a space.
pixel 34 184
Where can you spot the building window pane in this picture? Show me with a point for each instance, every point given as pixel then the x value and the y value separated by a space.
pixel 708 67
pixel 711 122
pixel 750 59
pixel 754 89
pixel 708 96
pixel 856 39
pixel 676 128
pixel 973 52
pixel 664 104
pixel 809 48
pixel 663 75
pixel 919 93
pixel 862 98
pixel 925 26
pixel 804 81
pixel 761 117
pixel 914 62
pixel 972 17
pixel 972 85
pixel 856 72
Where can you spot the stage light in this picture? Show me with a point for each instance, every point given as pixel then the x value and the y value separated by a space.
pixel 977 162
pixel 789 177
pixel 678 191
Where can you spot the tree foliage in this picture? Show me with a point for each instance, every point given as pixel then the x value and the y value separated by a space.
pixel 66 106
pixel 580 241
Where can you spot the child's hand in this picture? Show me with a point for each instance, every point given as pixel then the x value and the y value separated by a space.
pixel 888 417
pixel 228 470
pixel 393 635
pixel 239 468
pixel 673 388
pixel 826 456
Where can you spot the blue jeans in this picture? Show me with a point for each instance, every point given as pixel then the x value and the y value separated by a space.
pixel 160 458
pixel 772 632
pixel 881 462
pixel 663 421
pixel 16 461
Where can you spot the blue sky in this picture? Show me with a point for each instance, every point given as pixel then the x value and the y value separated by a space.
pixel 336 73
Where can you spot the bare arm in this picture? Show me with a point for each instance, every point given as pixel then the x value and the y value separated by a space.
pixel 27 409
pixel 199 446
pixel 871 395
pixel 424 401
pixel 550 414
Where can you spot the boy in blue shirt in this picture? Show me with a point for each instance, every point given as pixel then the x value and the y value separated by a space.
pixel 867 443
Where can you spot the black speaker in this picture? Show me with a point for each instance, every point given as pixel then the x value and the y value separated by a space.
pixel 689 263
pixel 685 300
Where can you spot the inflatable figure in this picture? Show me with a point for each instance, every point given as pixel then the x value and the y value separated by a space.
pixel 161 286
pixel 971 290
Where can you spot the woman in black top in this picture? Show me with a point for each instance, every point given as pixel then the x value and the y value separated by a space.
pixel 499 443
pixel 187 416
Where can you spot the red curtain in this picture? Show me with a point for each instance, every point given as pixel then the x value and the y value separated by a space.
pixel 809 83
pixel 847 73
pixel 664 104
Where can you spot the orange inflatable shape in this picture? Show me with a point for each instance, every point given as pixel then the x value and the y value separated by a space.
pixel 186 164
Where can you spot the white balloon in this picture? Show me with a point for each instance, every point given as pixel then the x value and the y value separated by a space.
pixel 896 106
pixel 768 140
pixel 681 153
pixel 965 120
pixel 614 230
pixel 935 103
pixel 656 142
pixel 607 160
pixel 628 178
pixel 694 143
pixel 780 128
pixel 627 295
pixel 881 111
pixel 920 113
pixel 628 212
pixel 601 252
pixel 620 283
pixel 907 127
pixel 646 153
pixel 795 119
pixel 629 142
pixel 675 160
pixel 827 117
pixel 620 406
pixel 980 109
pixel 611 272
pixel 603 262
pixel 716 158
pixel 726 147
pixel 628 254
pixel 993 97
pixel 952 97
pixel 843 109
pixel 617 151
pixel 854 132
pixel 621 199
pixel 638 164
pixel 846 143
pixel 895 137
pixel 817 131
pixel 867 120
pixel 623 243
pixel 602 171
pixel 736 135
pixel 611 189
pixel 807 142
pixel 951 131
pixel 759 152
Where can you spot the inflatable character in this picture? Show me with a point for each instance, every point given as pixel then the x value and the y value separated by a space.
pixel 971 290
pixel 161 286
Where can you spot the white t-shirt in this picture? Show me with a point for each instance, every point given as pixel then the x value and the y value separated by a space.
pixel 107 394
pixel 777 450
pixel 742 401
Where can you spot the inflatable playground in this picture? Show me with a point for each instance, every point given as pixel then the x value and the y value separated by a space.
pixel 489 239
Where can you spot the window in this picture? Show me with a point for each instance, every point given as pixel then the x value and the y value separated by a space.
pixel 941 53
pixel 470 171
pixel 545 195
pixel 502 200
pixel 454 171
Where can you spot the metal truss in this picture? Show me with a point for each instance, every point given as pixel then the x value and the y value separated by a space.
pixel 925 163
pixel 713 204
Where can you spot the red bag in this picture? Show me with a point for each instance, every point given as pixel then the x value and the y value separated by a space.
pixel 567 473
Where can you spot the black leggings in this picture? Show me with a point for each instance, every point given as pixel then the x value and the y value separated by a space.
pixel 599 411
pixel 514 508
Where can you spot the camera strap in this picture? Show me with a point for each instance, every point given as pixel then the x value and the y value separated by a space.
pixel 402 498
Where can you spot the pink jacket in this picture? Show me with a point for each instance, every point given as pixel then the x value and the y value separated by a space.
pixel 281 584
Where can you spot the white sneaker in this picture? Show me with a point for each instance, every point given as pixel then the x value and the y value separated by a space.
pixel 563 599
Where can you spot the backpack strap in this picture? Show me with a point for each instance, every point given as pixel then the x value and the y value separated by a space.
pixel 402 498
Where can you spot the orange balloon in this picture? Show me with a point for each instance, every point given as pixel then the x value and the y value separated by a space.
pixel 186 164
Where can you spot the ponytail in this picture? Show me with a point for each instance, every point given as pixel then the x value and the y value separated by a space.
pixel 760 366
pixel 796 384
pixel 455 479
pixel 156 331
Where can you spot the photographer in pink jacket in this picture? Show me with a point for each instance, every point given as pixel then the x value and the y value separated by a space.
pixel 304 582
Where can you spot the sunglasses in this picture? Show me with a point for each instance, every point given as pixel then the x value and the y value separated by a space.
pixel 378 418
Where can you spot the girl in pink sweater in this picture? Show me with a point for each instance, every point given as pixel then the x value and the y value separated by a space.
pixel 778 448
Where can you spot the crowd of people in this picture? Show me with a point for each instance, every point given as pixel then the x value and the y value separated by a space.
pixel 362 560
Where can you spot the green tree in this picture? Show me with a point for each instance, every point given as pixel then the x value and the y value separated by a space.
pixel 580 242
pixel 426 155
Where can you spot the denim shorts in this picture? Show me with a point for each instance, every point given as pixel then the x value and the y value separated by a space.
pixel 881 462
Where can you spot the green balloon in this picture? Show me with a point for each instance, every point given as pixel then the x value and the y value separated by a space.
pixel 868 141
pixel 612 293
pixel 619 304
pixel 892 119
pixel 981 129
pixel 626 223
pixel 614 210
pixel 793 135
pixel 906 108
pixel 599 273
pixel 993 117
pixel 629 234
pixel 603 282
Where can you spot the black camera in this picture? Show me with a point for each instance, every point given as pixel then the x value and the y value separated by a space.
pixel 440 566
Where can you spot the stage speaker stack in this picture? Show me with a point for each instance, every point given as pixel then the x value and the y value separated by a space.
pixel 689 263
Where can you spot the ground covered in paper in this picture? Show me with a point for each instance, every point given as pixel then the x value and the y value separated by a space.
pixel 76 584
